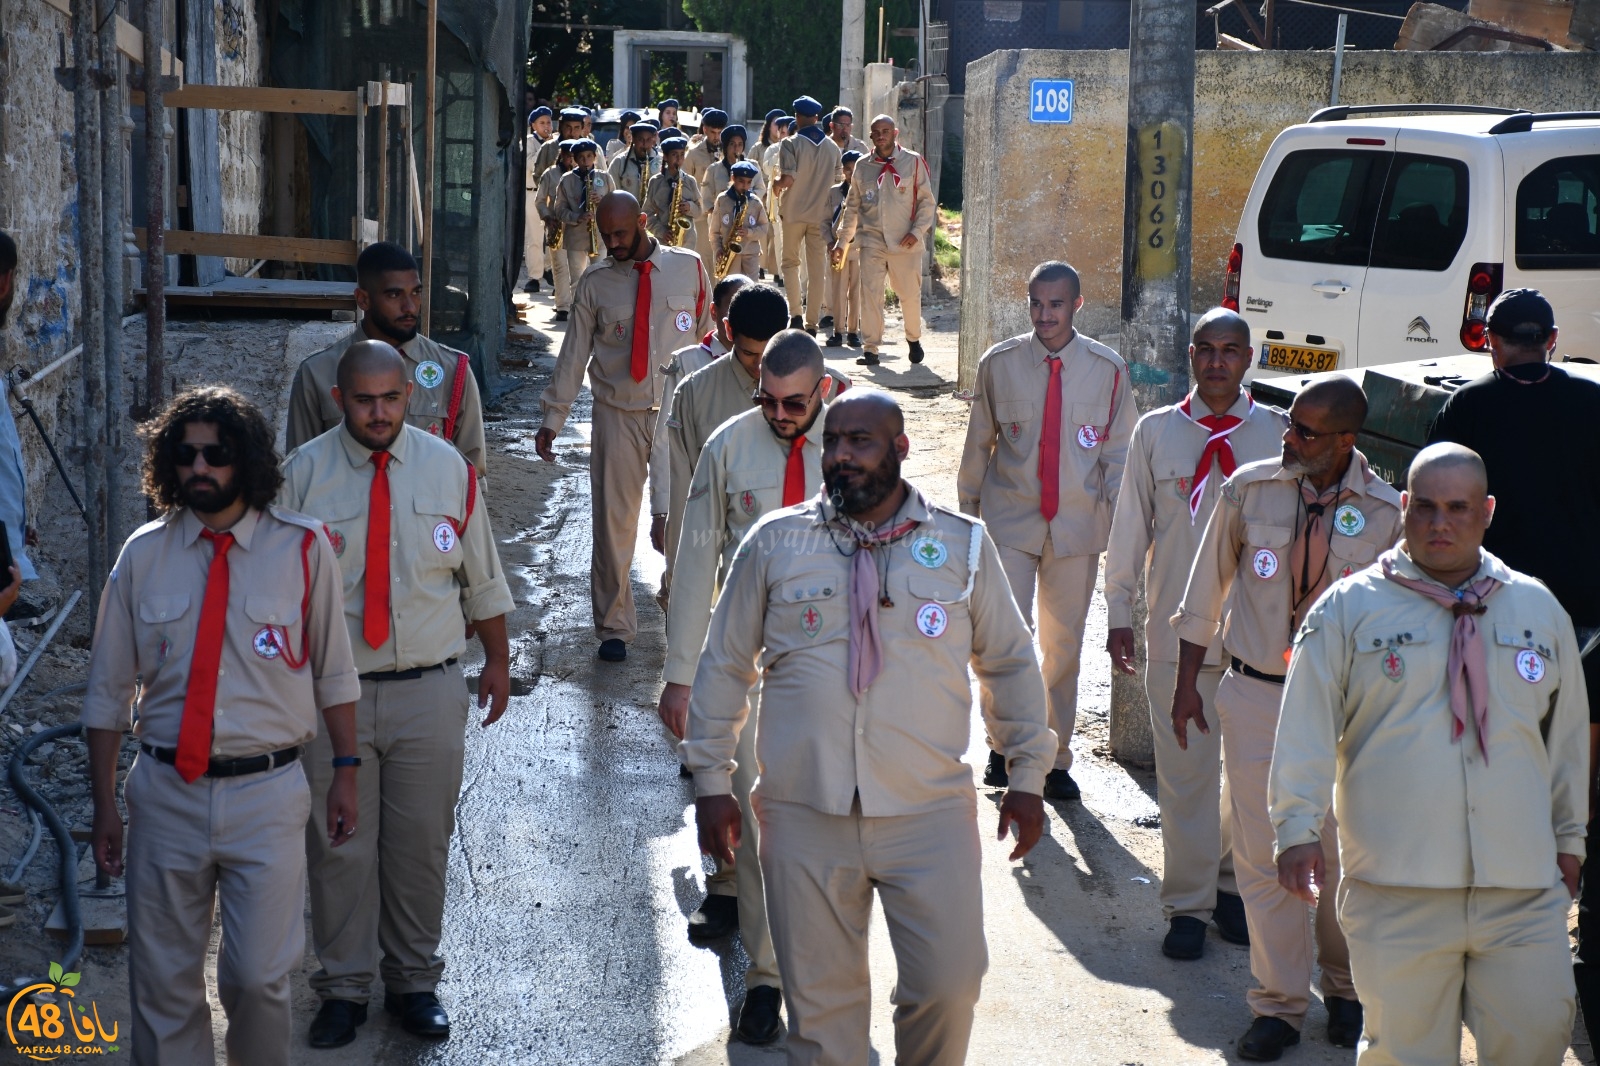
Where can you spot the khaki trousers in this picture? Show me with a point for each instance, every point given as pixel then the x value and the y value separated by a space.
pixel 228 841
pixel 1066 584
pixel 561 274
pixel 532 234
pixel 903 270
pixel 619 466
pixel 1428 959
pixel 1196 823
pixel 798 238
pixel 1281 951
pixel 821 870
pixel 844 293
pixel 772 247
pixel 383 889
pixel 577 262
pixel 747 262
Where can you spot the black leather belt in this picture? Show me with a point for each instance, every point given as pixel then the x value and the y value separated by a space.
pixel 406 675
pixel 1250 671
pixel 255 764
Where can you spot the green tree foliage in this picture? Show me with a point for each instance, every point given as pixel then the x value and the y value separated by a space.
pixel 575 66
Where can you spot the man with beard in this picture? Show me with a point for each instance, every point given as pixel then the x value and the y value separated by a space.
pixel 13 476
pixel 629 314
pixel 221 628
pixel 420 573
pixel 860 613
pixel 445 402
pixel 755 463
pixel 1284 530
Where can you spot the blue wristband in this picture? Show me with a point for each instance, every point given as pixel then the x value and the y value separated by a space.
pixel 346 760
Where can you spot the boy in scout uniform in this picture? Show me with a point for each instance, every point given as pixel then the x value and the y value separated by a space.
pixel 844 280
pixel 1177 461
pixel 632 170
pixel 624 138
pixel 578 194
pixel 221 627
pixel 891 208
pixel 420 570
pixel 662 198
pixel 1284 530
pixel 569 127
pixel 807 162
pixel 532 227
pixel 629 314
pixel 719 175
pixel 738 204
pixel 865 607
pixel 697 161
pixel 561 273
pixel 755 463
pixel 1442 673
pixel 1043 471
pixel 445 402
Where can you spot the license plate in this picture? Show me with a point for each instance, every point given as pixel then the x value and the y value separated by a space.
pixel 1303 360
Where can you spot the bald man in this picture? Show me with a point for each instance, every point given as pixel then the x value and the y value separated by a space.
pixel 861 611
pixel 1441 672
pixel 1284 530
pixel 629 314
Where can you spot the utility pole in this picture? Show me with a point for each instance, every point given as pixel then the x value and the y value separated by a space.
pixel 852 51
pixel 1155 260
pixel 91 401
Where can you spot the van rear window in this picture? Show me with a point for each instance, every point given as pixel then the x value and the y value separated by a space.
pixel 1423 217
pixel 1558 215
pixel 1321 206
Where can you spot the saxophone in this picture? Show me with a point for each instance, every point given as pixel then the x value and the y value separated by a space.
pixel 677 223
pixel 733 245
pixel 552 234
pixel 593 201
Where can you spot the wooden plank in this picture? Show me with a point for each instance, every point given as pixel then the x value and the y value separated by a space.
pixel 1549 19
pixel 1228 42
pixel 256 246
pixel 130 41
pixel 260 98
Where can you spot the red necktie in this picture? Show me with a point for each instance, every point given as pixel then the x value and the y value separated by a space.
pixel 1220 427
pixel 200 701
pixel 641 322
pixel 375 610
pixel 794 473
pixel 1050 444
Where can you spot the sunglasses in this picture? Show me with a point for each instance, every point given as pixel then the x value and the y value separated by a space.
pixel 771 404
pixel 216 454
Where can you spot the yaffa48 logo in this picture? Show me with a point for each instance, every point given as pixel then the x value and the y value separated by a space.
pixel 48 1031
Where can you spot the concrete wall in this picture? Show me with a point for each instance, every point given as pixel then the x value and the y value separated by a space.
pixel 1057 191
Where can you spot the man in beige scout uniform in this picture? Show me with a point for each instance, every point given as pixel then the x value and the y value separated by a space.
pixel 420 570
pixel 1442 676
pixel 220 626
pixel 1177 462
pixel 706 150
pixel 1283 531
pixel 807 161
pixel 578 195
pixel 866 606
pixel 629 314
pixel 844 279
pixel 1052 413
pixel 633 169
pixel 891 210
pixel 755 463
pixel 843 126
pixel 560 271
pixel 532 223
pixel 445 401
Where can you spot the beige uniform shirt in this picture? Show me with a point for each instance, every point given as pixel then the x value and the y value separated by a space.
pixel 545 199
pixel 150 614
pixel 697 163
pixel 721 222
pixel 658 206
pixel 784 618
pixel 813 167
pixel 1151 529
pixel 685 361
pixel 738 480
pixel 431 368
pixel 631 174
pixel 999 476
pixel 548 153
pixel 1366 723
pixel 1249 536
pixel 444 571
pixel 880 207
pixel 572 200
pixel 718 179
pixel 599 337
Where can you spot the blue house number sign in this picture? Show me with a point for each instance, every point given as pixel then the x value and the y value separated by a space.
pixel 1051 101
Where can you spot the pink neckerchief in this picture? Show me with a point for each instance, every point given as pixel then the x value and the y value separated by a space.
pixel 866 641
pixel 1216 445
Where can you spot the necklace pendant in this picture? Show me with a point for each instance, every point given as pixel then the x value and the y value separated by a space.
pixel 885 602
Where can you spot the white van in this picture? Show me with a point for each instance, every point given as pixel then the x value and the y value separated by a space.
pixel 1380 234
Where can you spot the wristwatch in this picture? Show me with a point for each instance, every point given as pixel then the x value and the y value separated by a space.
pixel 346 760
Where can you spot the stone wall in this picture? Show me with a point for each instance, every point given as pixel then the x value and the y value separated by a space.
pixel 1057 191
pixel 242 134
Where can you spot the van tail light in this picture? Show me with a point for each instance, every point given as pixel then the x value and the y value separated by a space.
pixel 1230 287
pixel 1483 285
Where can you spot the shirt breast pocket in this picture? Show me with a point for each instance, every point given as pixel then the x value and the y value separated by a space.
pixel 940 607
pixel 166 632
pixel 1266 552
pixel 805 610
pixel 436 519
pixel 276 630
pixel 1523 665
pixel 1088 423
pixel 1014 422
pixel 1381 651
pixel 752 492
pixel 616 324
pixel 1349 554
pixel 1173 476
pixel 682 314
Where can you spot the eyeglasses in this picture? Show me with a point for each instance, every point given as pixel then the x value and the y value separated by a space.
pixel 216 454
pixel 771 404
pixel 1307 434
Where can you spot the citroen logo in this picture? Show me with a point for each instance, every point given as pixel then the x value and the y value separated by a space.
pixel 1419 332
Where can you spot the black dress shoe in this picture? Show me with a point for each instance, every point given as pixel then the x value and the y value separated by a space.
pixel 796 322
pixel 549 277
pixel 994 774
pixel 532 285
pixel 836 340
pixel 1229 916
pixel 717 917
pixel 1185 939
pixel 613 650
pixel 561 316
pixel 1344 1021
pixel 777 280
pixel 825 322
pixel 868 359
pixel 1266 1038
pixel 419 1014
pixel 336 1021
pixel 758 1017
pixel 1059 785
pixel 916 351
pixel 853 340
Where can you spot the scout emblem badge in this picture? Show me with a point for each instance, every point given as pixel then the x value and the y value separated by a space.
pixel 1265 563
pixel 1530 666
pixel 1349 521
pixel 684 322
pixel 747 502
pixel 444 537
pixel 932 620
pixel 1394 667
pixel 811 621
pixel 265 643
pixel 929 552
pixel 429 374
